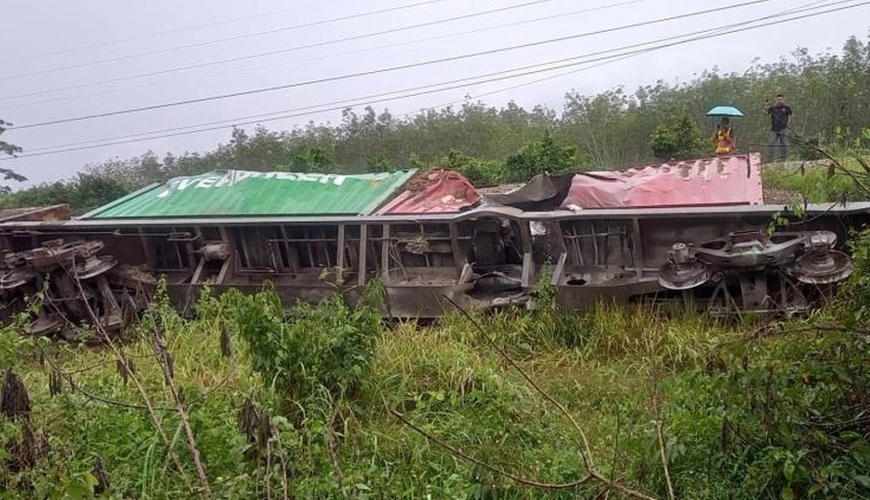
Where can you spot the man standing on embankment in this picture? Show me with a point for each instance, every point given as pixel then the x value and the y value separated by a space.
pixel 780 119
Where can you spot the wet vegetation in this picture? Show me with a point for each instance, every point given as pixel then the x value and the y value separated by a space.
pixel 246 400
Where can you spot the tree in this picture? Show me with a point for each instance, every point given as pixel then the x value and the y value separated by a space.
pixel 541 156
pixel 309 159
pixel 678 139
pixel 91 191
pixel 9 150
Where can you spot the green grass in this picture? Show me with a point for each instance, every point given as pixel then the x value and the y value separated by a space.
pixel 603 365
pixel 813 180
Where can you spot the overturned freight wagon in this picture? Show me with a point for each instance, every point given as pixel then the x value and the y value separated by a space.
pixel 690 231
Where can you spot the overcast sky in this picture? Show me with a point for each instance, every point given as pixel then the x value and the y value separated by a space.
pixel 42 40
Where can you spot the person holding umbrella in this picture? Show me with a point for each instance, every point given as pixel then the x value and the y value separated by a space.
pixel 724 137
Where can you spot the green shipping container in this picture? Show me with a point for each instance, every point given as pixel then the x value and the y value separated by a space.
pixel 243 193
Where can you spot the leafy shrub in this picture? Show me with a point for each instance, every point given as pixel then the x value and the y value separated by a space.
pixel 479 172
pixel 678 139
pixel 541 156
pixel 779 418
pixel 330 346
pixel 852 303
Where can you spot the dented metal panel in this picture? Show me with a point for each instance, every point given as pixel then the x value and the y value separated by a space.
pixel 434 192
pixel 724 180
pixel 243 193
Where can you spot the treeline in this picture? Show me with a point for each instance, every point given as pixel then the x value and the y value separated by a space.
pixel 613 129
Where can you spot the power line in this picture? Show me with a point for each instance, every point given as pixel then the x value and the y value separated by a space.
pixel 283 117
pixel 804 8
pixel 740 27
pixel 321 44
pixel 296 61
pixel 382 70
pixel 223 40
pixel 451 82
pixel 162 33
pixel 720 30
pixel 498 73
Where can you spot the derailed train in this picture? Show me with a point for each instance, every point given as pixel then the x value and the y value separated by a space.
pixel 695 232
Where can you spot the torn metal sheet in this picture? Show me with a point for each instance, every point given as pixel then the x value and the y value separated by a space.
pixel 438 191
pixel 541 194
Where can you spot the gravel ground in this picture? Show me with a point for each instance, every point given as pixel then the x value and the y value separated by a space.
pixel 780 197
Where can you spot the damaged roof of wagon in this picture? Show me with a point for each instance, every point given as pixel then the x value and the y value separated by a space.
pixel 720 181
pixel 437 191
pixel 223 193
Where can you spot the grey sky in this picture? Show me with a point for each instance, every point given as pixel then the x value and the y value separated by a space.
pixel 33 28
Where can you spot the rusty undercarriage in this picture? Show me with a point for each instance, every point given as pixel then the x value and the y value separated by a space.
pixel 103 272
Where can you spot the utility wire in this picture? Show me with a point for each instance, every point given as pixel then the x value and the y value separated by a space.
pixel 720 30
pixel 742 27
pixel 574 58
pixel 163 33
pixel 451 82
pixel 381 70
pixel 226 39
pixel 297 61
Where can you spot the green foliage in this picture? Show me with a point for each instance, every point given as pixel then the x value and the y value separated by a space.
pixel 852 305
pixel 845 138
pixel 87 191
pixel 310 159
pixel 9 150
pixel 328 347
pixel 817 182
pixel 679 138
pixel 542 156
pixel 778 418
pixel 479 172
pixel 379 163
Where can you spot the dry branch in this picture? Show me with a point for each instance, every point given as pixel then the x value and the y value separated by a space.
pixel 656 402
pixel 485 465
pixel 165 359
pixel 586 453
pixel 15 401
pixel 123 361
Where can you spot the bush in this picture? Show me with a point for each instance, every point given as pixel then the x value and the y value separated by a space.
pixel 326 347
pixel 678 139
pixel 542 156
pixel 781 415
pixel 780 418
pixel 479 172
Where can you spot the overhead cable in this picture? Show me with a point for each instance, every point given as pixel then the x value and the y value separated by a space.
pixel 738 27
pixel 379 70
pixel 258 55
